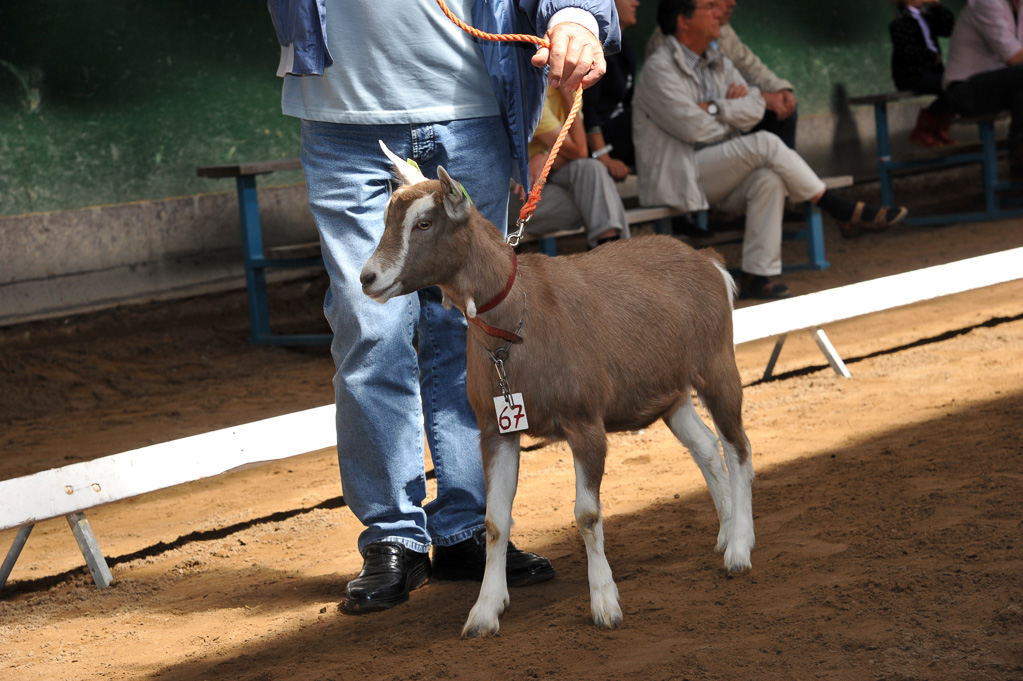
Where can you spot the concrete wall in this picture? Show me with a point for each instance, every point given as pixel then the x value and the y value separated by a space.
pixel 66 262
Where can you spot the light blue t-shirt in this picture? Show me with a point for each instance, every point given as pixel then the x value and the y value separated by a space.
pixel 395 61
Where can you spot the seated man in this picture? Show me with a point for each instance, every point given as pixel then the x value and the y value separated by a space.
pixel 984 71
pixel 690 110
pixel 579 189
pixel 780 115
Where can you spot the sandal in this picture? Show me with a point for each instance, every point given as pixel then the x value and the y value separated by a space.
pixel 755 286
pixel 881 221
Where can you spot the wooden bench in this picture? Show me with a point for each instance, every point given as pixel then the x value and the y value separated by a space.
pixel 660 216
pixel 946 157
pixel 256 261
pixel 71 490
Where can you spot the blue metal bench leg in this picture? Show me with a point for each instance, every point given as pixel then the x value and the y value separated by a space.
pixel 989 164
pixel 252 243
pixel 884 153
pixel 549 247
pixel 815 258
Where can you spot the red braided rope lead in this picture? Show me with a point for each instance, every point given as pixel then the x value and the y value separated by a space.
pixel 534 194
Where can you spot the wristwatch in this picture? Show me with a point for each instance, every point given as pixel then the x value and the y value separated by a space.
pixel 712 108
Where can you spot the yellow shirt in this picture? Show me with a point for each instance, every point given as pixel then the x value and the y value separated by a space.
pixel 551 119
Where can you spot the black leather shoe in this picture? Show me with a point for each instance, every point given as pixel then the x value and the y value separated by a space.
pixel 389 572
pixel 468 560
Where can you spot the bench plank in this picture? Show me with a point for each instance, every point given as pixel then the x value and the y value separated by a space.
pixel 945 157
pixel 884 97
pixel 256 168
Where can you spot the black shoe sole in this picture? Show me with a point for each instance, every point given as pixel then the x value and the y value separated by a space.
pixel 536 576
pixel 354 606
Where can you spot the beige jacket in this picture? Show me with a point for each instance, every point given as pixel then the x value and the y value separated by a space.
pixel 667 122
pixel 749 65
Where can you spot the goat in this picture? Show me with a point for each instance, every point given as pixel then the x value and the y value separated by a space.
pixel 611 340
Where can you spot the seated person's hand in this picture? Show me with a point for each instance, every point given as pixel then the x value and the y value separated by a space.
pixel 736 91
pixel 782 103
pixel 536 163
pixel 619 171
pixel 519 191
pixel 789 98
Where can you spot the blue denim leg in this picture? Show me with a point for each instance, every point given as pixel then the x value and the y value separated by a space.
pixel 385 393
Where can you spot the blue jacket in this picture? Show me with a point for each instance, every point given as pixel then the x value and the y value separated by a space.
pixel 519 86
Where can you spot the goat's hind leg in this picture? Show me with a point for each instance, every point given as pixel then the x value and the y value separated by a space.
pixel 501 469
pixel 702 444
pixel 722 395
pixel 588 452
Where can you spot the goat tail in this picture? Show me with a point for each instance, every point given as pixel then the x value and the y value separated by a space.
pixel 730 285
pixel 719 262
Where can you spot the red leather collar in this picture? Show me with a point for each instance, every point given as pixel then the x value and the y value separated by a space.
pixel 494 302
pixel 496 332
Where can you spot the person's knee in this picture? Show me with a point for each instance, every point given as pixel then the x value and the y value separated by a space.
pixel 588 167
pixel 765 186
pixel 769 142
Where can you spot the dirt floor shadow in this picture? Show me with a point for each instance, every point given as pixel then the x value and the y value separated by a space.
pixel 897 556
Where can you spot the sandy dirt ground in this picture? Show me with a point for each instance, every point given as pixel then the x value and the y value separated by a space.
pixel 888 509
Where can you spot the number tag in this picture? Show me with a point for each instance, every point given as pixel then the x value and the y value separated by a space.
pixel 511 417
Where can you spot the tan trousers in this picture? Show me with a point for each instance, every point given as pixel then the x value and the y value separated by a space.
pixel 582 193
pixel 754 174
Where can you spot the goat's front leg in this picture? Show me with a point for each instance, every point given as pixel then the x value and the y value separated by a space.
pixel 501 470
pixel 588 451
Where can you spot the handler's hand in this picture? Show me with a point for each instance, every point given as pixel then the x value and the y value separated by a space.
pixel 575 56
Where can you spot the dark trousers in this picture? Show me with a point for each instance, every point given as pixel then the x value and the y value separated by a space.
pixel 785 129
pixel 618 133
pixel 991 92
pixel 929 83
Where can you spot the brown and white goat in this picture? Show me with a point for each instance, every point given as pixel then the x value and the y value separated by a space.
pixel 611 340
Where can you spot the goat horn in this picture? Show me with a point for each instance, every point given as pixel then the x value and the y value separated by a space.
pixel 406 172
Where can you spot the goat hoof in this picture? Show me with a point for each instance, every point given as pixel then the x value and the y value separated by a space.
pixel 477 631
pixel 731 572
pixel 607 615
pixel 481 623
pixel 737 560
pixel 612 621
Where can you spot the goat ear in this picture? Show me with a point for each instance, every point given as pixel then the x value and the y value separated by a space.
pixel 456 199
pixel 403 170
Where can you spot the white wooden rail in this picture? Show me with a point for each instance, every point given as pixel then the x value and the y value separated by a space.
pixel 814 310
pixel 70 490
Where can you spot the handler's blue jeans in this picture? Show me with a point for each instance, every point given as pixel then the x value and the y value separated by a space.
pixel 385 393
